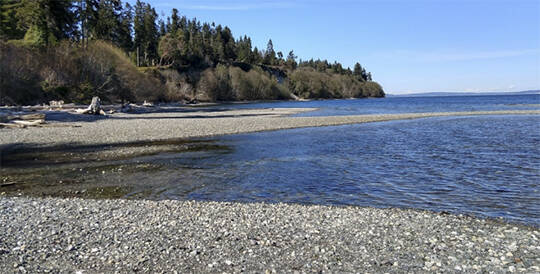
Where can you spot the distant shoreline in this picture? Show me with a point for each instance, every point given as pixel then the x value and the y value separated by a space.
pixel 447 94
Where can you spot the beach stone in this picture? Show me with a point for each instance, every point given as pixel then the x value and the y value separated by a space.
pixel 167 236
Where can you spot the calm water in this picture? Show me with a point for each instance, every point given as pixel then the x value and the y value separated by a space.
pixel 407 104
pixel 485 165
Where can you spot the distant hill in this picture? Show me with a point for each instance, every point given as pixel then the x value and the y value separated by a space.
pixel 432 94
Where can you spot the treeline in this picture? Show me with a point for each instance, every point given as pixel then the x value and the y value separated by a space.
pixel 173 58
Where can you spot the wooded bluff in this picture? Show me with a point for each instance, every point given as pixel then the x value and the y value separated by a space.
pixel 74 50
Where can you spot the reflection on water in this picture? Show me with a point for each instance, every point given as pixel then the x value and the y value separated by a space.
pixel 487 166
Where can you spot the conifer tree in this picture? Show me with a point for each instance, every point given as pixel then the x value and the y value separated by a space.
pixel 174 21
pixel 46 21
pixel 9 20
pixel 291 60
pixel 146 33
pixel 270 54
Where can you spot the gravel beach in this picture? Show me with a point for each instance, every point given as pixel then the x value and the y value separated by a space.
pixel 96 236
pixel 189 123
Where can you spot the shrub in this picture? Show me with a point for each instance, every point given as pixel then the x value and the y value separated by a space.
pixel 73 74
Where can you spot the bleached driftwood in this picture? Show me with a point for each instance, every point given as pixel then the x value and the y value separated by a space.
pixel 11 125
pixel 94 108
pixel 22 120
pixel 28 123
pixel 25 117
pixel 58 104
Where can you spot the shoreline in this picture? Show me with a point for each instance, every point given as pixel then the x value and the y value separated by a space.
pixel 189 236
pixel 179 123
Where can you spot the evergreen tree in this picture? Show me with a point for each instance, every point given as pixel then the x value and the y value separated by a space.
pixel 162 28
pixel 9 20
pixel 125 28
pixel 359 72
pixel 228 44
pixel 270 54
pixel 291 60
pixel 108 20
pixel 146 33
pixel 257 56
pixel 217 44
pixel 88 18
pixel 173 27
pixel 243 49
pixel 46 21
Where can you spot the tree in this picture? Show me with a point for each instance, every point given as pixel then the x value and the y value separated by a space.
pixel 291 60
pixel 87 18
pixel 162 28
pixel 228 44
pixel 107 23
pixel 9 20
pixel 270 54
pixel 359 72
pixel 46 21
pixel 257 57
pixel 173 27
pixel 146 33
pixel 125 28
pixel 218 50
pixel 243 49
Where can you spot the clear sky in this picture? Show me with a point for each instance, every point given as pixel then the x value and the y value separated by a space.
pixel 408 45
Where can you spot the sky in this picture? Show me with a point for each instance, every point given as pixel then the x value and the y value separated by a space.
pixel 409 46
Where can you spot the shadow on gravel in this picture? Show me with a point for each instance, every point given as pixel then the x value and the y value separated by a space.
pixel 62 116
pixel 134 170
pixel 23 155
pixel 191 117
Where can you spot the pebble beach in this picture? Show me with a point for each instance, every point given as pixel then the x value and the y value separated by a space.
pixel 97 236
pixel 106 236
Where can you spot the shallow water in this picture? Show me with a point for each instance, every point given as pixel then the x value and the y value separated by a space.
pixel 480 165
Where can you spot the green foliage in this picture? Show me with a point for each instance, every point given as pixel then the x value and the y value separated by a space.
pixel 310 83
pixel 232 83
pixel 291 61
pixel 146 33
pixel 270 54
pixel 124 53
pixel 38 37
pixel 47 20
pixel 9 20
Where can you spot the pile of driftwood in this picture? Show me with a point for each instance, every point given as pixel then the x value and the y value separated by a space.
pixel 22 120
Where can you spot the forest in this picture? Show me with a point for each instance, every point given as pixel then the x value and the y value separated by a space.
pixel 72 50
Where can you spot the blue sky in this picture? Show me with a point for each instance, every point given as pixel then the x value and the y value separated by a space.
pixel 409 45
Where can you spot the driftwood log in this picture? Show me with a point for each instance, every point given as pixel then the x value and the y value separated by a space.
pixel 23 120
pixel 94 108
